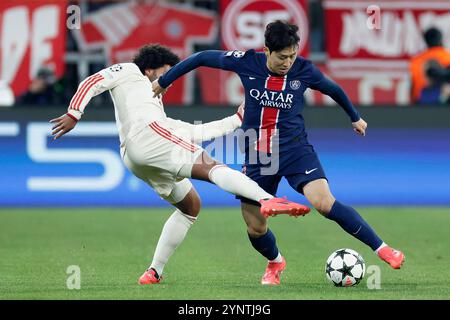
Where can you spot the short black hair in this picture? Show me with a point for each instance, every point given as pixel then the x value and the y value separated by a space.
pixel 433 37
pixel 154 56
pixel 281 34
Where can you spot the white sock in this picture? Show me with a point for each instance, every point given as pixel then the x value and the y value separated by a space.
pixel 381 247
pixel 172 235
pixel 237 183
pixel 278 259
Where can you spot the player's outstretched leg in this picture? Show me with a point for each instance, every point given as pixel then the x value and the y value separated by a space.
pixel 239 184
pixel 174 230
pixel 263 240
pixel 318 193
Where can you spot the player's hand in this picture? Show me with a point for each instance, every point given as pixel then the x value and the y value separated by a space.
pixel 360 127
pixel 158 91
pixel 241 110
pixel 62 125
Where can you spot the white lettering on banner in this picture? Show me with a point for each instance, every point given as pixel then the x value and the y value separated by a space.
pixel 31 37
pixel 38 151
pixel 399 35
pixel 42 33
pixel 402 92
pixel 368 84
pixel 13 44
pixel 368 89
pixel 251 26
pixel 243 28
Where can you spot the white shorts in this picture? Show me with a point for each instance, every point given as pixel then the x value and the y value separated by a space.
pixel 162 159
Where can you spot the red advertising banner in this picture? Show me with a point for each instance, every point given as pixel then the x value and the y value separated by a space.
pixel 242 28
pixel 351 32
pixel 121 29
pixel 243 22
pixel 370 44
pixel 32 36
pixel 364 89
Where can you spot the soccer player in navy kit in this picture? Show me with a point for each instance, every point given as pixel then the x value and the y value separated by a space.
pixel 274 83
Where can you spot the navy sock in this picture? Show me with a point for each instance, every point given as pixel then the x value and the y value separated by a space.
pixel 354 224
pixel 266 245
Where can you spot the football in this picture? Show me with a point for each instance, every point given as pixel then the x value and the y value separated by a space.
pixel 345 268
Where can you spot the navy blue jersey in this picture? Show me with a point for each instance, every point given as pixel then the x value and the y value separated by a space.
pixel 273 103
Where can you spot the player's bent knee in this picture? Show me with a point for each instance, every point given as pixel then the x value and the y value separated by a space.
pixel 191 204
pixel 323 205
pixel 179 191
pixel 185 198
pixel 194 209
pixel 257 231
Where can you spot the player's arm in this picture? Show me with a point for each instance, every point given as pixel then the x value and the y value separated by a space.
pixel 208 58
pixel 209 130
pixel 93 85
pixel 332 89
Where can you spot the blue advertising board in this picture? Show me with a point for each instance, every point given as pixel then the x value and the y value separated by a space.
pixel 387 167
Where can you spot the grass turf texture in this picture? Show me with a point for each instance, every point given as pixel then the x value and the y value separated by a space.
pixel 113 247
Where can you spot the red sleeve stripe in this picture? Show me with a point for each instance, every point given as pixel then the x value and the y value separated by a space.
pixel 174 137
pixel 77 94
pixel 169 136
pixel 170 133
pixel 84 90
pixel 239 115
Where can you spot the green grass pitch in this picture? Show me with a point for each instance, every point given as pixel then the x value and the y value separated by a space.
pixel 113 247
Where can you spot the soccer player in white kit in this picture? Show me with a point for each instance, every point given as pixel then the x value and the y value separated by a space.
pixel 159 150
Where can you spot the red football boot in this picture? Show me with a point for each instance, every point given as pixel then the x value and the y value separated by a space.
pixel 395 258
pixel 276 206
pixel 273 272
pixel 150 277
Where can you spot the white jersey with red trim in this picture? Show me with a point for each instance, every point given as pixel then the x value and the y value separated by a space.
pixel 132 94
pixel 135 107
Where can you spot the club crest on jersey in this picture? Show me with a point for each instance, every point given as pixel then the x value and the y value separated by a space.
pixel 115 68
pixel 295 84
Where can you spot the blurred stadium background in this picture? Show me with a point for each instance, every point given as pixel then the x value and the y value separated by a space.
pixel 48 47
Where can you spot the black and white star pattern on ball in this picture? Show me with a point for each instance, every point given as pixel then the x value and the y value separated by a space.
pixel 329 268
pixel 359 262
pixel 340 253
pixel 346 270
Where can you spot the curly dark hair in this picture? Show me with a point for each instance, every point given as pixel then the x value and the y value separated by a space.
pixel 280 34
pixel 154 56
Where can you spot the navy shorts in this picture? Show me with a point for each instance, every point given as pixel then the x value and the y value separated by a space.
pixel 298 172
